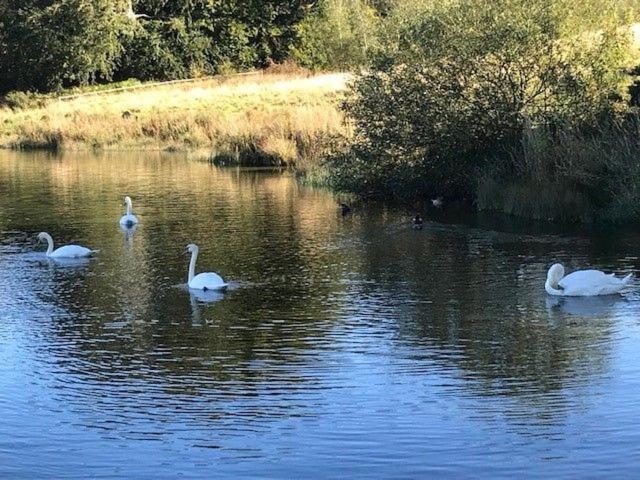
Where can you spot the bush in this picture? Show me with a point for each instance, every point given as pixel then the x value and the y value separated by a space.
pixel 21 100
pixel 452 99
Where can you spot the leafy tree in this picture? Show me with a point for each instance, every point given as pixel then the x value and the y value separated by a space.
pixel 208 35
pixel 48 45
pixel 51 44
pixel 337 34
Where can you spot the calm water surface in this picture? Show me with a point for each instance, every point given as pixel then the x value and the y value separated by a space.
pixel 348 347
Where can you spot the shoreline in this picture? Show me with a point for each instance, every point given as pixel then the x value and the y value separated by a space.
pixel 268 120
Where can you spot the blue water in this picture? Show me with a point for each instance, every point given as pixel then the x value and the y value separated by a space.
pixel 348 347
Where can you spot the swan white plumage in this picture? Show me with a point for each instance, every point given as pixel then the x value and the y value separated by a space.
pixel 583 283
pixel 128 220
pixel 68 251
pixel 203 281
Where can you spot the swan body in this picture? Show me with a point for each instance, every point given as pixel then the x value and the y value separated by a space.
pixel 203 281
pixel 583 283
pixel 68 251
pixel 128 220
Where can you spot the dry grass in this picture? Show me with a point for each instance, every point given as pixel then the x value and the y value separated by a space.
pixel 269 118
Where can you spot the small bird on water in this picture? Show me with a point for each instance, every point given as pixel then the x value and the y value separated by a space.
pixel 417 222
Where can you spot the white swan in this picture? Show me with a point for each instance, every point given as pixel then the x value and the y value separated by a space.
pixel 203 281
pixel 68 251
pixel 583 283
pixel 128 220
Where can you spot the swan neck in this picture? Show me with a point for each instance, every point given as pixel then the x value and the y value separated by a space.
pixel 49 243
pixel 552 289
pixel 192 265
pixel 129 207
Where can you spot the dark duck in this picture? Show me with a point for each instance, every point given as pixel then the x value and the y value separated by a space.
pixel 345 209
pixel 417 222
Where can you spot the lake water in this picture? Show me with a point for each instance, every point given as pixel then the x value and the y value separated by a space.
pixel 348 347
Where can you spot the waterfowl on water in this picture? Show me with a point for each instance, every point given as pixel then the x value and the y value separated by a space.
pixel 67 251
pixel 203 281
pixel 128 220
pixel 583 283
pixel 417 222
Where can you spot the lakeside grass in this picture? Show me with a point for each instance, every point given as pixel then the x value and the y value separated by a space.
pixel 261 119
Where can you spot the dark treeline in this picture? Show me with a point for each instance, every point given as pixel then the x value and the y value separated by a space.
pixel 47 45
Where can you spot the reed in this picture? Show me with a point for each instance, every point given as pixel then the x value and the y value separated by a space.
pixel 571 176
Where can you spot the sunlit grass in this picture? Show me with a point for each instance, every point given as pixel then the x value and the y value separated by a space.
pixel 260 118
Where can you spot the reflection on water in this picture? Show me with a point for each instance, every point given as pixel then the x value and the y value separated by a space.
pixel 348 345
pixel 586 306
pixel 128 233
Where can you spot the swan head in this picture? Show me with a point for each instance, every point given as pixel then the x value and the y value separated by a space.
pixel 555 274
pixel 192 248
pixel 43 237
pixel 127 201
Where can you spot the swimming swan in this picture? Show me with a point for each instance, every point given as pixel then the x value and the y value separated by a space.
pixel 68 251
pixel 128 220
pixel 583 283
pixel 203 281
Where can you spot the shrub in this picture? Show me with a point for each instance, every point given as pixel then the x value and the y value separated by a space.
pixel 22 100
pixel 454 95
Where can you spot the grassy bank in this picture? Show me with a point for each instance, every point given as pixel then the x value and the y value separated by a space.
pixel 256 119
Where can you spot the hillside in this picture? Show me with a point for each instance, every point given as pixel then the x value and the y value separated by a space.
pixel 260 118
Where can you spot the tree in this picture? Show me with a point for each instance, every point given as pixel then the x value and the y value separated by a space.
pixel 337 34
pixel 52 44
pixel 49 45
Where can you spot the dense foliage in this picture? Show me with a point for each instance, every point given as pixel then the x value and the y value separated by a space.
pixel 450 102
pixel 47 45
pixel 338 34
pixel 50 44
